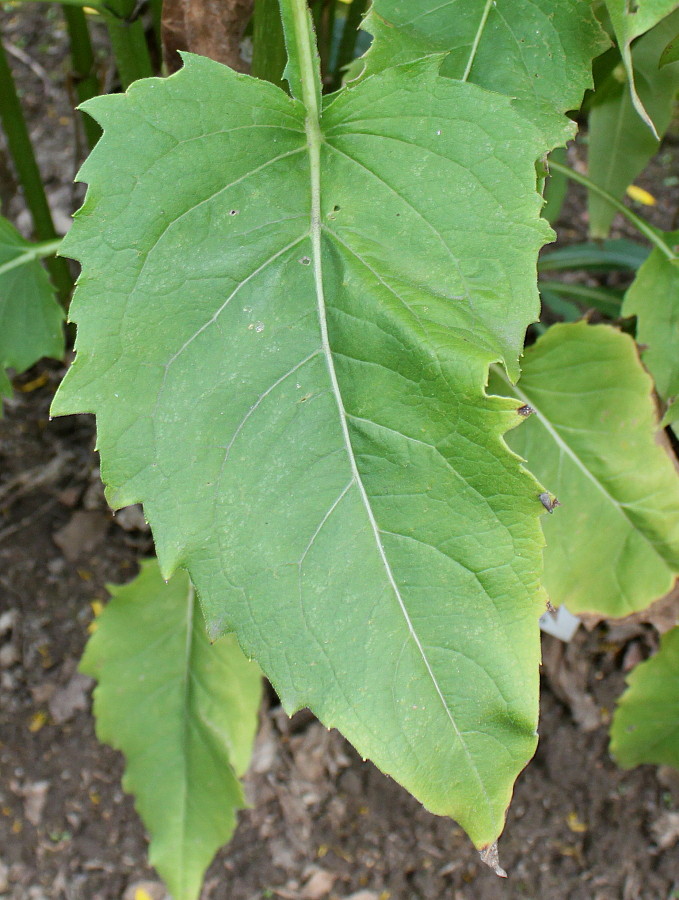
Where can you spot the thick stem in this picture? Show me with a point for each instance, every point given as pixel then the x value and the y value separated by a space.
pixel 82 62
pixel 21 151
pixel 128 41
pixel 268 52
pixel 654 236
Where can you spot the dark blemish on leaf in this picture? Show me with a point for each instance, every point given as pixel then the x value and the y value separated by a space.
pixel 336 208
pixel 525 410
pixel 549 503
pixel 305 261
pixel 234 212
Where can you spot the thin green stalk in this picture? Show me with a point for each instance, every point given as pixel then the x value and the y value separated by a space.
pixel 347 47
pixel 128 41
pixel 21 151
pixel 36 251
pixel 82 63
pixel 653 235
pixel 268 50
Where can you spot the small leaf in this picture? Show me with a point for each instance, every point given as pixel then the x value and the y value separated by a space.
pixel 630 20
pixel 653 297
pixel 183 712
pixel 613 545
pixel 645 727
pixel 30 316
pixel 620 144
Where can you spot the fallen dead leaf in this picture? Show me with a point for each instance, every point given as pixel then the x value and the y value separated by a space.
pixel 65 702
pixel 35 796
pixel 318 885
pixel 666 830
pixel 145 890
pixel 82 535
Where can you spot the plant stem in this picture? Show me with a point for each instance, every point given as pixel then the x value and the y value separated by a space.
pixel 653 235
pixel 128 41
pixel 21 151
pixel 347 47
pixel 36 251
pixel 82 62
pixel 268 50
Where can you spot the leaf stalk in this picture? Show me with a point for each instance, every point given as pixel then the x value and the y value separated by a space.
pixel 653 234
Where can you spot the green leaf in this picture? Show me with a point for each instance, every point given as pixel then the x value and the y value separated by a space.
pixel 290 374
pixel 653 297
pixel 645 727
pixel 537 51
pixel 630 20
pixel 620 144
pixel 613 545
pixel 599 256
pixel 671 52
pixel 30 316
pixel 184 713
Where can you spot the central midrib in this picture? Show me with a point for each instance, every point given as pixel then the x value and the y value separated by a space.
pixel 314 141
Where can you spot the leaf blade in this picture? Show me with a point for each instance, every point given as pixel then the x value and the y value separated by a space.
pixel 645 726
pixel 593 444
pixel 184 714
pixel 261 503
pixel 537 52
pixel 30 316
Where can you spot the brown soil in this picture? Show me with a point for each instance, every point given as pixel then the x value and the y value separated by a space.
pixel 322 823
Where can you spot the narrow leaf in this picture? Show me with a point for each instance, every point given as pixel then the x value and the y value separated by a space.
pixel 290 376
pixel 620 144
pixel 613 544
pixel 653 298
pixel 645 727
pixel 630 20
pixel 536 51
pixel 184 713
pixel 671 52
pixel 30 316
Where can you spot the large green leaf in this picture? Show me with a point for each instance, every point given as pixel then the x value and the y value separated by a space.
pixel 30 317
pixel 620 144
pixel 537 51
pixel 613 546
pixel 630 20
pixel 184 713
pixel 653 298
pixel 285 335
pixel 645 727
